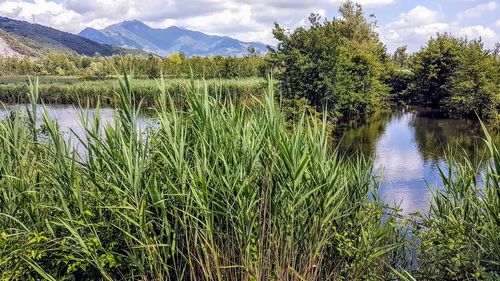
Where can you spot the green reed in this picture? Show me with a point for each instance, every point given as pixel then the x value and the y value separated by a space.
pixel 79 91
pixel 460 237
pixel 214 191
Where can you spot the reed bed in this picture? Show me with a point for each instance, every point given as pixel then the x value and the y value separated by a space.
pixel 217 190
pixel 74 91
pixel 460 236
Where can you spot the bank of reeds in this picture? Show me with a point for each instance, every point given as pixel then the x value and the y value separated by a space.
pixel 215 191
pixel 79 91
pixel 460 236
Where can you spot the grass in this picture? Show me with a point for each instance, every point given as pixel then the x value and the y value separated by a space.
pixel 460 237
pixel 64 90
pixel 215 192
pixel 222 191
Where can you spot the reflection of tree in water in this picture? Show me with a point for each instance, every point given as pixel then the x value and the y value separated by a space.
pixel 362 136
pixel 435 135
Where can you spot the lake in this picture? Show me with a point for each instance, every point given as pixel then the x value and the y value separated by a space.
pixel 407 145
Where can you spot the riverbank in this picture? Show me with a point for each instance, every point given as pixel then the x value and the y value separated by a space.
pixel 72 90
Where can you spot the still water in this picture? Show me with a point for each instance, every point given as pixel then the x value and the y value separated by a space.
pixel 407 145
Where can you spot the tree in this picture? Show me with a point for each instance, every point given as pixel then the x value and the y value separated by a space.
pixel 458 76
pixel 153 68
pixel 97 70
pixel 337 63
pixel 475 84
pixel 433 67
pixel 401 57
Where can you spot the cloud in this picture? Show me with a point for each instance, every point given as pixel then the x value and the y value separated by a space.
pixel 243 19
pixel 413 28
pixel 478 10
pixel 417 16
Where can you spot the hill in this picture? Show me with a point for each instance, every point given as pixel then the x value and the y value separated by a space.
pixel 135 34
pixel 21 38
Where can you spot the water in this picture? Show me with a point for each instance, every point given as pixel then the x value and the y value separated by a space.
pixel 407 146
pixel 68 118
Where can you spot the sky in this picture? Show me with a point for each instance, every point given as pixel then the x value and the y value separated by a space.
pixel 400 22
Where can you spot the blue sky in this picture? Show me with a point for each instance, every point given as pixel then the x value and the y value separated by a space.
pixel 400 21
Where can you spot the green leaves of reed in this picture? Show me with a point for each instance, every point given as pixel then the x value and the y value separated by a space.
pixel 210 191
pixel 461 239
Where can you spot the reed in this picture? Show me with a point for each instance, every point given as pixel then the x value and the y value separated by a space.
pixel 74 91
pixel 213 191
pixel 460 237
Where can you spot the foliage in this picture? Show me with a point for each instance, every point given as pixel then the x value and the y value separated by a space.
pixel 457 75
pixel 433 67
pixel 62 90
pixel 213 191
pixel 475 85
pixel 401 58
pixel 460 239
pixel 176 65
pixel 336 64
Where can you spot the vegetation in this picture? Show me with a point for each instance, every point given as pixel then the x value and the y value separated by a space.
pixel 215 191
pixel 456 75
pixel 337 64
pixel 176 65
pixel 69 90
pixel 221 191
pixel 460 238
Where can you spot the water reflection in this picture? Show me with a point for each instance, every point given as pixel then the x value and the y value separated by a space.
pixel 68 118
pixel 408 146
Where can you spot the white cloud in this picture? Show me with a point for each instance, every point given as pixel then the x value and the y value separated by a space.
pixel 414 27
pixel 478 10
pixel 244 19
pixel 477 31
pixel 419 15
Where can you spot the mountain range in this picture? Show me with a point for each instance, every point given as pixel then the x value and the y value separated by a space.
pixel 21 38
pixel 25 39
pixel 137 35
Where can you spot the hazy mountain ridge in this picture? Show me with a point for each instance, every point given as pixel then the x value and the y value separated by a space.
pixel 164 42
pixel 34 40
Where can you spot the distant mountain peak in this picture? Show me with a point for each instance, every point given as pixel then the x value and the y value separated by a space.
pixel 35 40
pixel 166 41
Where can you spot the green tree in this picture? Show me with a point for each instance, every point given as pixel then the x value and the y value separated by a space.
pixel 401 58
pixel 433 67
pixel 475 84
pixel 337 63
pixel 153 68
pixel 97 70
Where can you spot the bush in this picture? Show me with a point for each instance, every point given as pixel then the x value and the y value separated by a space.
pixel 336 64
pixel 458 76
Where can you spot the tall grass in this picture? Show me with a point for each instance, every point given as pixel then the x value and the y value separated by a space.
pixel 460 237
pixel 75 91
pixel 215 191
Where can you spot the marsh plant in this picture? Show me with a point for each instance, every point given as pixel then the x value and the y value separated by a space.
pixel 215 191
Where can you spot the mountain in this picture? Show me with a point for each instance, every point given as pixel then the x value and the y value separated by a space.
pixel 137 35
pixel 21 38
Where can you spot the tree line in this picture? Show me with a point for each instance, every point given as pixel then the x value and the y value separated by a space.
pixel 341 65
pixel 151 66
